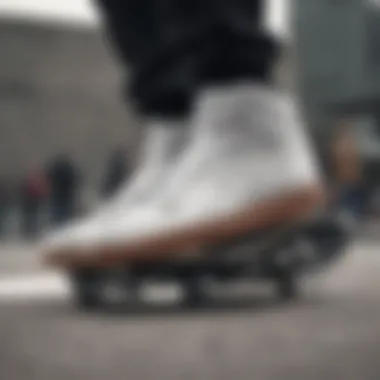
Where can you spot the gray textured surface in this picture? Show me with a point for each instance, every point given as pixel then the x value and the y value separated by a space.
pixel 332 333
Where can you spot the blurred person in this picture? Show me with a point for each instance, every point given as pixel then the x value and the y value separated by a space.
pixel 64 181
pixel 34 192
pixel 367 136
pixel 116 173
pixel 351 189
pixel 244 162
pixel 5 204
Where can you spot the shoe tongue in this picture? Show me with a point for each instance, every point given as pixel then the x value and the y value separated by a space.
pixel 236 113
pixel 162 143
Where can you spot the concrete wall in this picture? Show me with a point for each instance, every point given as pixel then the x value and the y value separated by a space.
pixel 60 91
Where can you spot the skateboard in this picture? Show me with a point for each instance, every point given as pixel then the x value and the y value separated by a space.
pixel 281 255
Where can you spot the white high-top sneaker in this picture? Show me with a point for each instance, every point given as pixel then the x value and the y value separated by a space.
pixel 249 167
pixel 161 148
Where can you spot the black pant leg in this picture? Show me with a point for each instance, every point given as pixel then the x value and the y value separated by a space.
pixel 172 48
pixel 203 42
pixel 235 47
pixel 131 28
pixel 160 80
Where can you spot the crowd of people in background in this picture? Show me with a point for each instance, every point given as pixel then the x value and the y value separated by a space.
pixel 51 196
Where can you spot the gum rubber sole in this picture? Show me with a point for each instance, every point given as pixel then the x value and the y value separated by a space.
pixel 195 240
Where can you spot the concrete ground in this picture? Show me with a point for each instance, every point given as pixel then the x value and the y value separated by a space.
pixel 332 332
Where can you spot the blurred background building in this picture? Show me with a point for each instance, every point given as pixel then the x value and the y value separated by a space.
pixel 60 92
pixel 338 59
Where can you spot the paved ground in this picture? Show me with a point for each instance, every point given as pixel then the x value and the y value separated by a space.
pixel 18 258
pixel 332 333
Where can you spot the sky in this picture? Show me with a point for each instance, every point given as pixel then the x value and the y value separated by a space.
pixel 81 12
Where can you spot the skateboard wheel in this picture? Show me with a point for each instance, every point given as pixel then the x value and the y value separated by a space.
pixel 287 286
pixel 86 288
pixel 194 294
